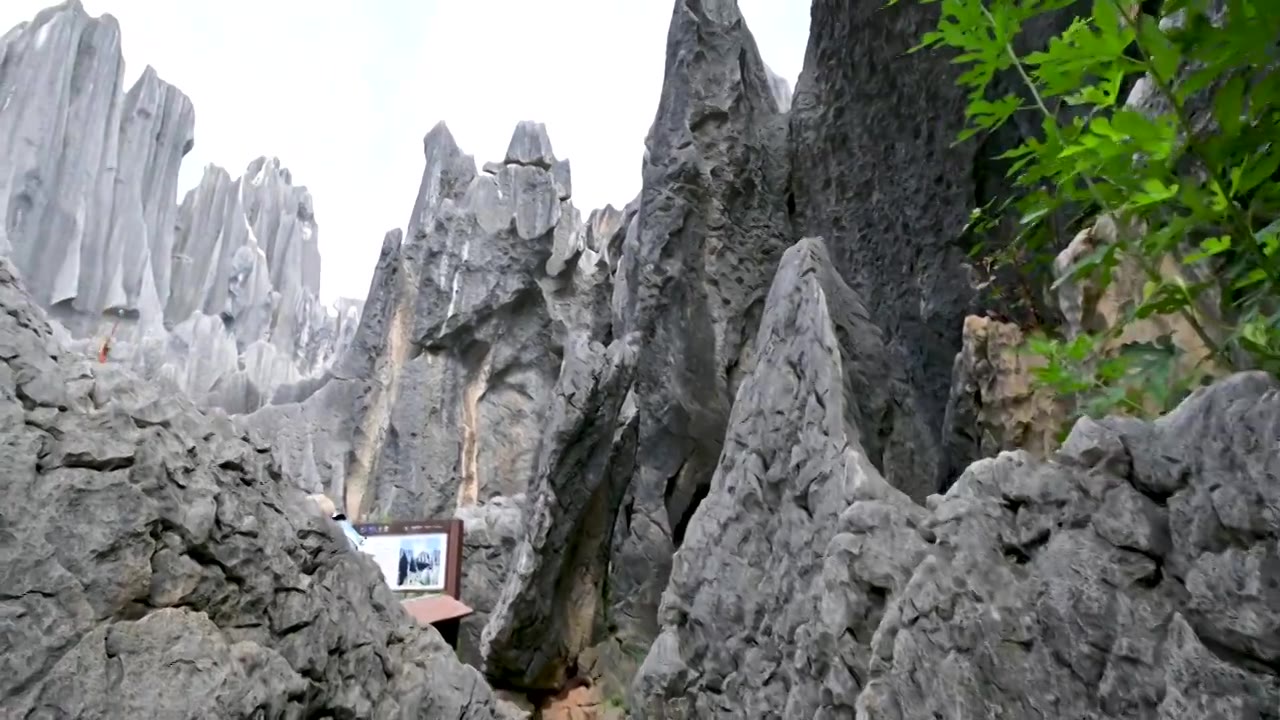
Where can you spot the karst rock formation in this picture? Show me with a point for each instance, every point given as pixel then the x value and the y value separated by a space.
pixel 745 446
pixel 217 296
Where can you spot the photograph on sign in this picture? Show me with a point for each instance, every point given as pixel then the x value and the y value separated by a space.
pixel 411 562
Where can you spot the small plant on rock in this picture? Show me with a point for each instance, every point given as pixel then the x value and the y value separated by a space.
pixel 1186 177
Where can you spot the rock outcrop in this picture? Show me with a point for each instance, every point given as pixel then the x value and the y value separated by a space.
pixel 996 401
pixel 1132 575
pixel 219 297
pixel 877 173
pixel 153 564
pixel 741 615
pixel 709 229
pixel 878 176
pixel 90 173
pixel 480 321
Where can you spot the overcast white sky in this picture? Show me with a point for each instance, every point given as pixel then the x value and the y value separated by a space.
pixel 342 91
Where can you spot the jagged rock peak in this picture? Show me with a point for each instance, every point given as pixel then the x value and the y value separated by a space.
pixel 530 145
pixel 88 182
pixel 473 316
pixel 90 173
pixel 808 586
pixel 781 89
pixel 231 229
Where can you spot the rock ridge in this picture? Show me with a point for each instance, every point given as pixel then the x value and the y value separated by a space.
pixel 89 188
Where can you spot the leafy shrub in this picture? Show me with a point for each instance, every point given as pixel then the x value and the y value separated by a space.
pixel 1188 175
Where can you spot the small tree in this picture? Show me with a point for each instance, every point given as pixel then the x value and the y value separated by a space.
pixel 1188 174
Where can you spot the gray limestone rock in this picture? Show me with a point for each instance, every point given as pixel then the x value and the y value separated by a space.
pixel 605 229
pixel 316 429
pixel 156 566
pixel 530 145
pixel 1129 577
pixel 1112 583
pixel 477 377
pixel 781 90
pixel 755 615
pixel 474 342
pixel 549 610
pixel 492 533
pixel 563 176
pixel 691 280
pixel 877 174
pixel 89 172
pixel 88 179
pixel 247 253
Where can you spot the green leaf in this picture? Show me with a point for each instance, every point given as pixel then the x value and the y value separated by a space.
pixel 1160 51
pixel 1228 105
pixel 1153 192
pixel 1208 248
pixel 1165 299
pixel 1252 277
pixel 1257 170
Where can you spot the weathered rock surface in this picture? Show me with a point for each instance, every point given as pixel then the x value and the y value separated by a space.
pixel 218 297
pixel 452 397
pixel 996 403
pixel 89 173
pixel 877 173
pixel 1130 577
pixel 493 532
pixel 742 632
pixel 473 337
pixel 153 564
pixel 710 227
pixel 1133 577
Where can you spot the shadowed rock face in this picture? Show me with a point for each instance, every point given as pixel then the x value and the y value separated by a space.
pixel 154 564
pixel 218 298
pixel 876 174
pixel 711 225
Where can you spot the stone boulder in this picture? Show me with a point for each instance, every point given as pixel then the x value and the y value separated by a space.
pixel 154 564
pixel 1135 575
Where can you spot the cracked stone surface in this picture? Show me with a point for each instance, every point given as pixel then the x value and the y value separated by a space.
pixel 153 564
pixel 1133 575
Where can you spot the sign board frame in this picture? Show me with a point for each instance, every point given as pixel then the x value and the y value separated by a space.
pixel 451 530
